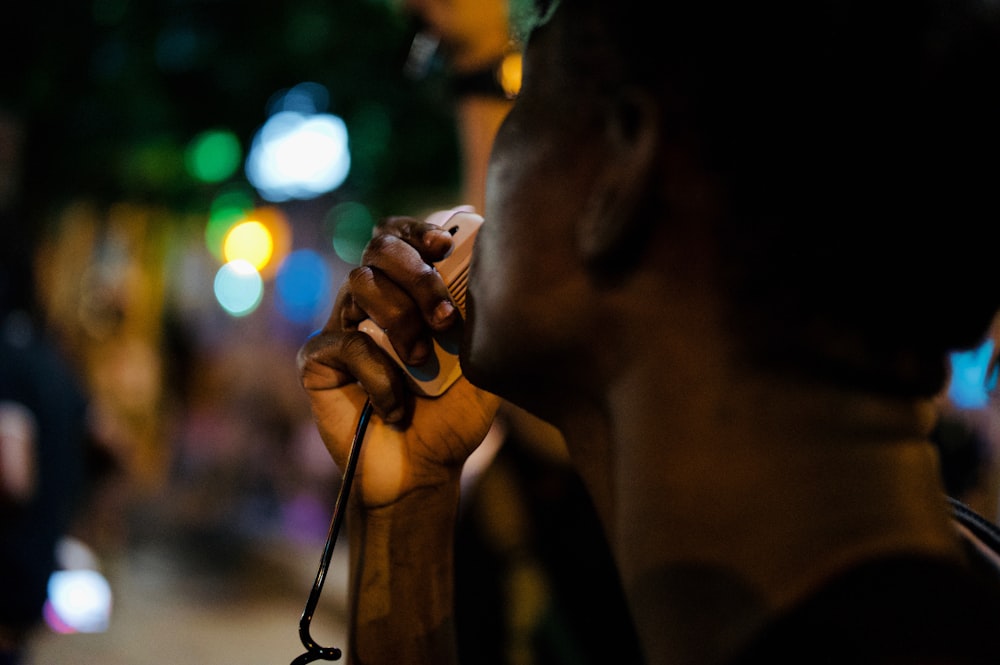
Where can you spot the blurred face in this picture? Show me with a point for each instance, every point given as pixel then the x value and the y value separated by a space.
pixel 473 32
pixel 528 297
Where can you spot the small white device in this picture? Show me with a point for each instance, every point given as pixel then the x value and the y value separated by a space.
pixel 442 369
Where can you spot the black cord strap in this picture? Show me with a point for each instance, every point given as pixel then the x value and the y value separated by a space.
pixel 313 650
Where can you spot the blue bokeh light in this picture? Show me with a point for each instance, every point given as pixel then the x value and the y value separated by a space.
pixel 302 287
pixel 972 378
pixel 239 288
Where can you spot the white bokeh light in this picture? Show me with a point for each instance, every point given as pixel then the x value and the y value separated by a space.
pixel 79 601
pixel 298 156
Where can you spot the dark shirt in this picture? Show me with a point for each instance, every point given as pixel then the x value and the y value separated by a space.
pixel 34 375
pixel 899 611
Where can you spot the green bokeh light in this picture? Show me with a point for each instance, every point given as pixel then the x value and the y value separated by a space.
pixel 351 223
pixel 213 155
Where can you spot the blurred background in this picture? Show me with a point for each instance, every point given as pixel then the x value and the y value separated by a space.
pixel 182 185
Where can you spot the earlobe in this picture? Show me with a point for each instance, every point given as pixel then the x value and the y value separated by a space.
pixel 612 230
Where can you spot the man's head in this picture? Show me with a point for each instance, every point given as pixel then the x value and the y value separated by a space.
pixel 840 156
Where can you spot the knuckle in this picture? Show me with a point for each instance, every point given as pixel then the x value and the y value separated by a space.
pixel 307 353
pixel 355 347
pixel 377 245
pixel 397 225
pixel 360 276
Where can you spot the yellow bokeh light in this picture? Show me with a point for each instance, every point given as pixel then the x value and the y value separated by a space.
pixel 250 241
pixel 277 225
pixel 510 74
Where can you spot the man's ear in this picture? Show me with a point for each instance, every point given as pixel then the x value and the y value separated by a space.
pixel 615 224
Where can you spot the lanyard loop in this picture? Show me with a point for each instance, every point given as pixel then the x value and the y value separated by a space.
pixel 314 651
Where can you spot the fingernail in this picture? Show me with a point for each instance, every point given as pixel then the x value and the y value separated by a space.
pixel 419 353
pixel 435 235
pixel 395 416
pixel 443 312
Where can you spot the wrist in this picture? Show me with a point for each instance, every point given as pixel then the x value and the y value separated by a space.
pixel 413 511
pixel 403 563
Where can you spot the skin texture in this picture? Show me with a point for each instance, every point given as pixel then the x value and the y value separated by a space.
pixel 406 485
pixel 739 456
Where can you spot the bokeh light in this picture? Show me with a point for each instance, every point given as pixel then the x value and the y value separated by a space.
pixel 298 156
pixel 249 241
pixel 307 98
pixel 510 74
pixel 972 378
pixel 213 156
pixel 302 287
pixel 232 205
pixel 79 601
pixel 351 225
pixel 239 288
pixel 280 231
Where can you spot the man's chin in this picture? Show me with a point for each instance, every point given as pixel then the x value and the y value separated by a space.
pixel 479 373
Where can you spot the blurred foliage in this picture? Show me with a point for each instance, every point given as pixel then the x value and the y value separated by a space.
pixel 112 91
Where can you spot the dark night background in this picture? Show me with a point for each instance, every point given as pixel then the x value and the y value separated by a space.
pixel 208 492
pixel 112 90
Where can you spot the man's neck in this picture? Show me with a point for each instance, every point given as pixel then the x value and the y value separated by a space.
pixel 731 506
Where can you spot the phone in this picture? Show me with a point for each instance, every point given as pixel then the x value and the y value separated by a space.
pixel 442 369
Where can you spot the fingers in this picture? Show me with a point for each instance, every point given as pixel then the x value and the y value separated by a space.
pixel 398 289
pixel 332 360
pixel 391 263
pixel 432 242
pixel 403 249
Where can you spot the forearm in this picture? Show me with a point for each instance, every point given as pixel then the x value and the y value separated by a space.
pixel 402 580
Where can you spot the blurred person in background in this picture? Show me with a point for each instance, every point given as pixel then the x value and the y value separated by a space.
pixel 528 531
pixel 43 431
pixel 968 431
pixel 704 261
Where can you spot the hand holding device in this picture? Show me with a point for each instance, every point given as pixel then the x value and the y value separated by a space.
pixel 432 379
pixel 442 369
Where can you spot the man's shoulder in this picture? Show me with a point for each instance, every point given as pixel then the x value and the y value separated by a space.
pixel 899 609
